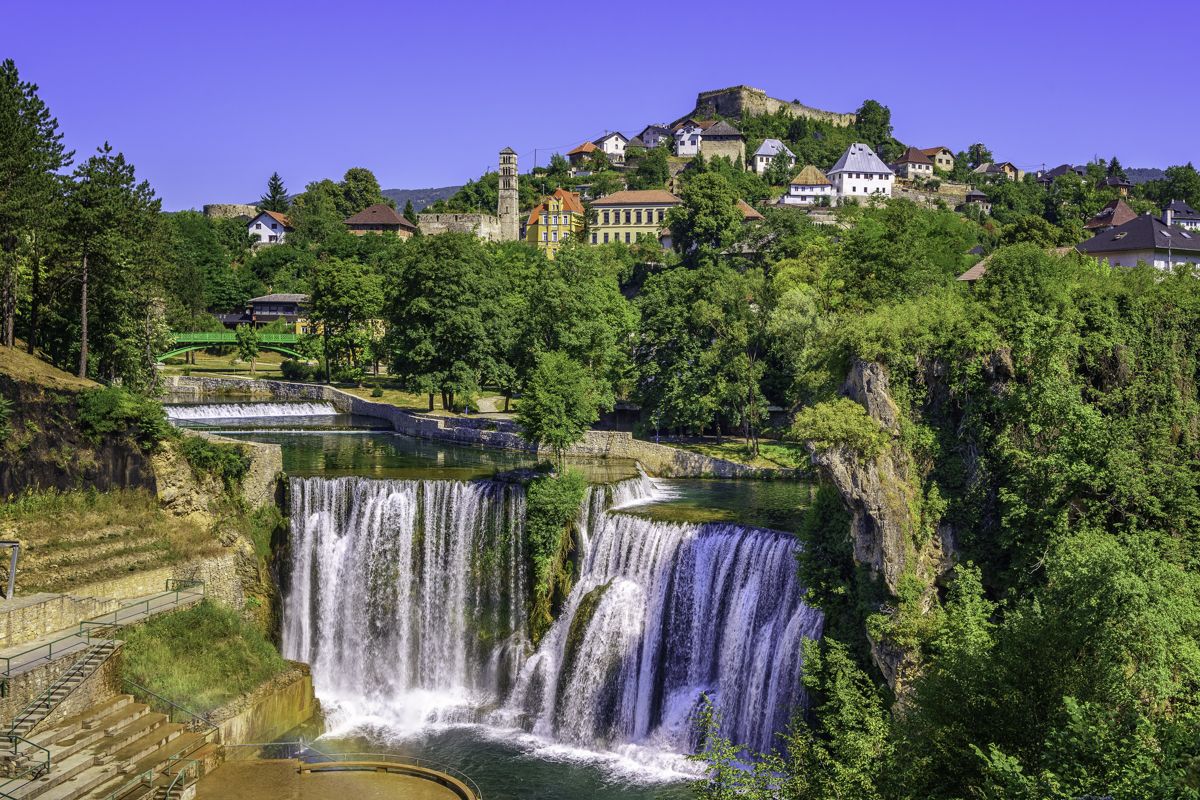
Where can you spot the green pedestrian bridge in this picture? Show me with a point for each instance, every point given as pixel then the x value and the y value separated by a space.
pixel 183 342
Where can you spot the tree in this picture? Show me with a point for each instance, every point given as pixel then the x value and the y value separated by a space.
pixel 873 122
pixel 31 152
pixel 708 222
pixel 346 297
pixel 359 190
pixel 557 405
pixel 605 183
pixel 103 206
pixel 276 198
pixel 410 213
pixel 779 172
pixel 247 345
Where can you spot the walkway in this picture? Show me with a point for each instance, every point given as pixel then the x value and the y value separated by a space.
pixel 281 780
pixel 28 655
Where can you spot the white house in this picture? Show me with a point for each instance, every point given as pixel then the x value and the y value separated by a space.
pixel 613 144
pixel 860 173
pixel 808 188
pixel 653 134
pixel 688 135
pixel 269 227
pixel 766 153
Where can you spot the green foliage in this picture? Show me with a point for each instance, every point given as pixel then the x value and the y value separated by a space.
pixel 199 658
pixel 377 391
pixel 276 198
pixel 247 344
pixel 558 403
pixel 6 408
pixel 840 422
pixel 551 505
pixel 112 411
pixel 229 462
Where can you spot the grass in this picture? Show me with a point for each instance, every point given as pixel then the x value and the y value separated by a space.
pixel 200 658
pixel 74 538
pixel 208 366
pixel 21 366
pixel 780 455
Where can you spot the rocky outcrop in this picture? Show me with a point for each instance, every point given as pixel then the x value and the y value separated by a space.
pixel 867 385
pixel 181 493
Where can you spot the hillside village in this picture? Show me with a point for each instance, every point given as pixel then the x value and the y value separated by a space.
pixel 619 187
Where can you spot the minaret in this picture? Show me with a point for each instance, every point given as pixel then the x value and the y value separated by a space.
pixel 509 204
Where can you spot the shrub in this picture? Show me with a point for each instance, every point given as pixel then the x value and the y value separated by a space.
pixel 841 422
pixel 297 370
pixel 377 391
pixel 112 410
pixel 229 462
pixel 187 371
pixel 551 504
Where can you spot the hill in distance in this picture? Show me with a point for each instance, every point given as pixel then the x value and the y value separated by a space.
pixel 1137 175
pixel 420 197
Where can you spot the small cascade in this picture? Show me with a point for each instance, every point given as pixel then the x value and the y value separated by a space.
pixel 249 410
pixel 408 598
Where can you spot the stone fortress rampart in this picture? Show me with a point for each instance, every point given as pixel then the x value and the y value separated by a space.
pixel 733 101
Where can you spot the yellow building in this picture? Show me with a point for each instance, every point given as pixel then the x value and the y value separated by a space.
pixel 621 216
pixel 553 221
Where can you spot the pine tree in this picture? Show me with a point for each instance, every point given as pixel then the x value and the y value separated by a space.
pixel 410 213
pixel 1115 170
pixel 276 198
pixel 31 152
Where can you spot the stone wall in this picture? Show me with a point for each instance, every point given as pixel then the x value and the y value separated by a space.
pixel 485 432
pixel 229 210
pixel 733 149
pixel 268 712
pixel 485 226
pixel 222 575
pixel 733 101
pixel 952 194
pixel 24 619
pixel 101 686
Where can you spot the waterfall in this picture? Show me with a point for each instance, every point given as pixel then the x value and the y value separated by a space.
pixel 408 598
pixel 241 410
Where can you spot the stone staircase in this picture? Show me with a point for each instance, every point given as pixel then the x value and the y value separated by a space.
pixel 118 749
pixel 89 662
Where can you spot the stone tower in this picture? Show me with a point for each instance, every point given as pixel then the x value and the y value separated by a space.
pixel 509 205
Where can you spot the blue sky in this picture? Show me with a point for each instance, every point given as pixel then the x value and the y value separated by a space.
pixel 208 99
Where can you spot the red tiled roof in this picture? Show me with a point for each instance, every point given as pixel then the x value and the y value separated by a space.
pixel 933 151
pixel 748 213
pixel 379 214
pixel 913 156
pixel 570 202
pixel 586 147
pixel 1115 213
pixel 633 198
pixel 282 219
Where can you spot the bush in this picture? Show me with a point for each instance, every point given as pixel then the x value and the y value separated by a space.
pixel 348 374
pixel 200 658
pixel 187 371
pixel 377 391
pixel 174 362
pixel 551 504
pixel 298 370
pixel 842 421
pixel 229 462
pixel 112 410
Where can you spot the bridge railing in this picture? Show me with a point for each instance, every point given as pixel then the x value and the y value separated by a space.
pixel 231 336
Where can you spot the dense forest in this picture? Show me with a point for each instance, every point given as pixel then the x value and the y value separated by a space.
pixel 1045 436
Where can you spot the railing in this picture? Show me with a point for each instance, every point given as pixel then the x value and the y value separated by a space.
pixel 36 768
pixel 212 727
pixel 187 764
pixel 178 755
pixel 43 698
pixel 223 337
pixel 86 632
pixel 366 761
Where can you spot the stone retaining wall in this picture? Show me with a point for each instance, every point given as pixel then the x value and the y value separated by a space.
pixel 485 226
pixel 268 712
pixel 26 618
pixel 222 576
pixel 483 432
pixel 99 687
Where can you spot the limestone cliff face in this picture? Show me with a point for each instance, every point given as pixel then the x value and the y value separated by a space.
pixel 183 495
pixel 883 496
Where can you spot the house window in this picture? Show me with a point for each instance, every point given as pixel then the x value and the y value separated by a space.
pixel 660 215
pixel 628 214
pixel 554 238
pixel 606 222
pixel 545 219
pixel 593 238
pixel 274 227
pixel 257 226
pixel 274 238
pixel 606 238
pixel 639 217
pixel 543 236
pixel 627 237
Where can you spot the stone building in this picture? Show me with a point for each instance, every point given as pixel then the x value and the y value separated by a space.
pixel 485 226
pixel 621 216
pixel 733 101
pixel 723 139
pixel 508 206
pixel 913 165
pixel 377 219
pixel 942 157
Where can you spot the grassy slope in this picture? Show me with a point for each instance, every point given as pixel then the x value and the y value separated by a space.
pixel 200 658
pixel 19 365
pixel 770 454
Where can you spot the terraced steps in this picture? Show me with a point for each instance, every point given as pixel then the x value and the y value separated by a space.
pixel 107 748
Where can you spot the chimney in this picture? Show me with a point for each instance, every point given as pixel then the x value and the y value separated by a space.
pixel 1167 215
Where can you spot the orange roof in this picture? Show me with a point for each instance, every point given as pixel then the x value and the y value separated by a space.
pixel 633 198
pixel 933 151
pixel 283 219
pixel 570 202
pixel 748 213
pixel 586 147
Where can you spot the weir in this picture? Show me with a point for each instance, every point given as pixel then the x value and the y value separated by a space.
pixel 241 410
pixel 409 600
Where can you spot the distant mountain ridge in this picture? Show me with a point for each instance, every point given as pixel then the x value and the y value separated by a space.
pixel 421 198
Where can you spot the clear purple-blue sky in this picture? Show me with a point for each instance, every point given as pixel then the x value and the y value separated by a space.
pixel 207 99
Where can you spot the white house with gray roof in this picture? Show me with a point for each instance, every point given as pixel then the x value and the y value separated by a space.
pixel 861 173
pixel 766 153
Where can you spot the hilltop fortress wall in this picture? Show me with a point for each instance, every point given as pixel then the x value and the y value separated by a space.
pixel 731 102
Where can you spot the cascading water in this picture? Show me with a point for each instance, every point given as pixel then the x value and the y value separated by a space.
pixel 241 410
pixel 408 598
